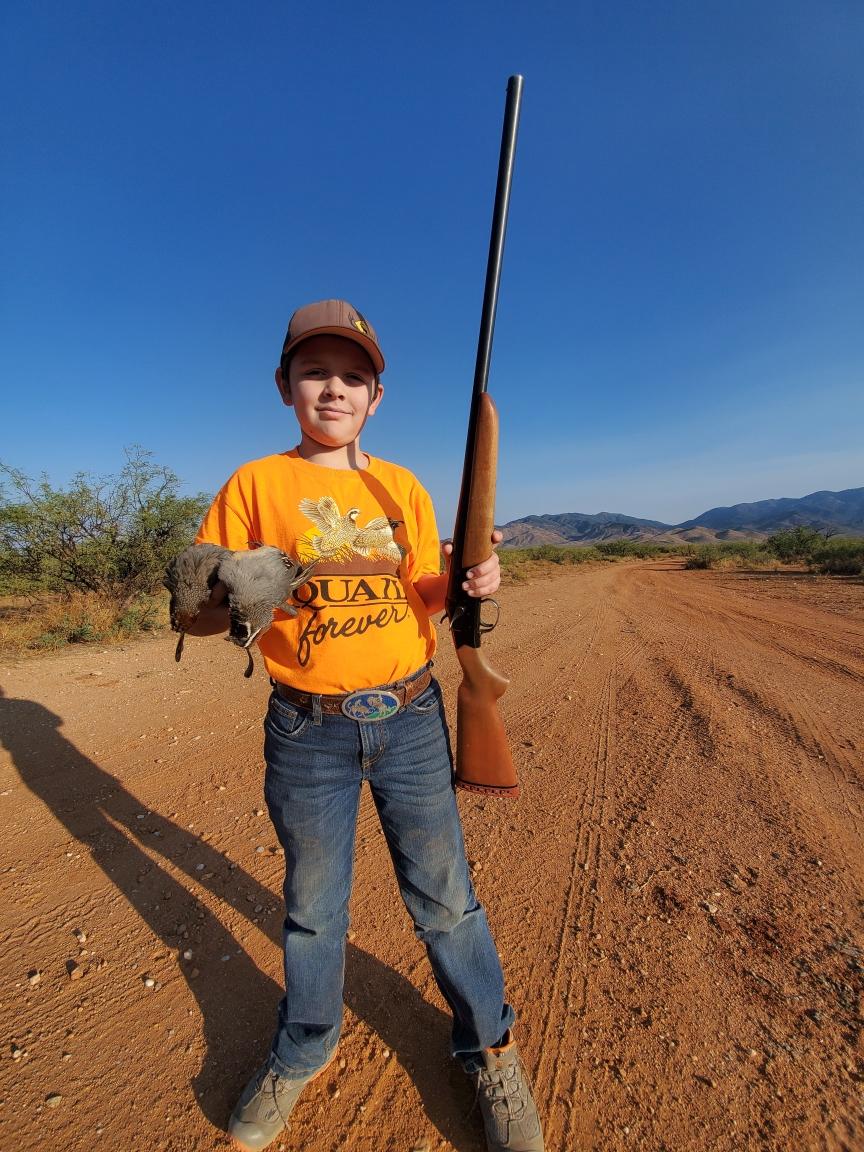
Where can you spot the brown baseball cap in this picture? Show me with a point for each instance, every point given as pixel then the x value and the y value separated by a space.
pixel 333 318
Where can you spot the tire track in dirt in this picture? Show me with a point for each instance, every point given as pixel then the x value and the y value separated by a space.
pixel 574 998
pixel 787 707
pixel 583 735
pixel 537 659
pixel 577 910
pixel 565 725
pixel 702 681
pixel 813 755
pixel 820 756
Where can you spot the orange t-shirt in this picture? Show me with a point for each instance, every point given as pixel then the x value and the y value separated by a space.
pixel 372 534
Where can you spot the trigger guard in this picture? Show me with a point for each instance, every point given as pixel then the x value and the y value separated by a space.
pixel 487 626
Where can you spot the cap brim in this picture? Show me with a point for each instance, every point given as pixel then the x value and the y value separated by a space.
pixel 369 346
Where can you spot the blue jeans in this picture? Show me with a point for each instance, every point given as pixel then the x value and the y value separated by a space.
pixel 316 765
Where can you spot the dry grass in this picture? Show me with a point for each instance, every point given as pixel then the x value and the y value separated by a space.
pixel 736 563
pixel 45 622
pixel 521 564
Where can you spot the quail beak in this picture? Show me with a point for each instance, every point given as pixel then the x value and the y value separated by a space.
pixel 242 635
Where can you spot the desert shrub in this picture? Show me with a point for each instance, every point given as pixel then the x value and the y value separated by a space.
pixel 840 556
pixel 614 548
pixel 703 557
pixel 543 552
pixel 85 562
pixel 143 614
pixel 795 545
pixel 109 536
pixel 70 629
pixel 727 554
pixel 563 555
pixel 636 549
pixel 745 550
pixel 52 620
pixel 519 563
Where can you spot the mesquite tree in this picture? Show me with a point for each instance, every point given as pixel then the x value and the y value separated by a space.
pixel 112 535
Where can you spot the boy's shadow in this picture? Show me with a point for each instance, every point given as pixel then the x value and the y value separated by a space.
pixel 237 1001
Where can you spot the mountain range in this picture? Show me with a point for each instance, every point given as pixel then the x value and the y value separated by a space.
pixel 839 513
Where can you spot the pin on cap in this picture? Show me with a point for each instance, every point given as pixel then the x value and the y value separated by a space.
pixel 333 318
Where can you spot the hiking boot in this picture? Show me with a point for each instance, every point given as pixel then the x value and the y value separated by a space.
pixel 263 1109
pixel 509 1112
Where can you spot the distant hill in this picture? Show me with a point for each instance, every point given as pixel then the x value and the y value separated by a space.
pixel 577 528
pixel 840 512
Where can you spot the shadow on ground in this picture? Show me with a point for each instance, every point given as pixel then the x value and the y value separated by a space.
pixel 236 1000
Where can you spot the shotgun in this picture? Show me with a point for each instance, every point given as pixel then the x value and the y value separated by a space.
pixel 483 760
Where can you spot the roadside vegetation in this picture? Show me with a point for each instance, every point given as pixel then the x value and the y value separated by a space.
pixel 85 562
pixel 520 564
pixel 801 547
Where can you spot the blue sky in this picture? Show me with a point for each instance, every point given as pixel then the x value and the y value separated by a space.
pixel 680 318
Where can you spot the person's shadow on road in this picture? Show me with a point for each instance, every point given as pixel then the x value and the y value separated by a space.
pixel 236 1000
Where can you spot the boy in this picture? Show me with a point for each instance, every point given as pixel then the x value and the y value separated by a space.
pixel 354 699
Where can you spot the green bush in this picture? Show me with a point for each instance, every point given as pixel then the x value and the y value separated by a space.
pixel 52 619
pixel 637 549
pixel 143 614
pixel 795 545
pixel 704 557
pixel 839 556
pixel 520 563
pixel 561 555
pixel 109 536
pixel 726 553
pixel 72 628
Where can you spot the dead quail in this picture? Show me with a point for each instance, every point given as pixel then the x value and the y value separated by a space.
pixel 190 578
pixel 259 581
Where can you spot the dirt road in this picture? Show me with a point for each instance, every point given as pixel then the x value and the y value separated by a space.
pixel 678 897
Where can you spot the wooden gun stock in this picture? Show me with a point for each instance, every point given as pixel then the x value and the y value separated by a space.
pixel 483 759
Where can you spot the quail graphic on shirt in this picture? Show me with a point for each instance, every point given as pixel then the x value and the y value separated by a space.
pixel 356 583
pixel 342 538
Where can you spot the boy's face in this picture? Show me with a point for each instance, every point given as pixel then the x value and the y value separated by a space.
pixel 331 386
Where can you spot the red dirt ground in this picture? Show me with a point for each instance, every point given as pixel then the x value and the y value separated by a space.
pixel 677 896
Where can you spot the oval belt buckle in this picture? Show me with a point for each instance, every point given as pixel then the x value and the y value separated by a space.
pixel 370 704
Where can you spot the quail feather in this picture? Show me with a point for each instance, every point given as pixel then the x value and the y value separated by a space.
pixel 258 581
pixel 190 578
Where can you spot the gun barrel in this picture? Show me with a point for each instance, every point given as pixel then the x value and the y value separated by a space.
pixel 499 231
pixel 478 472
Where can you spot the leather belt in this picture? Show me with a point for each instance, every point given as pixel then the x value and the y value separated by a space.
pixel 403 690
